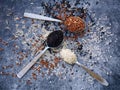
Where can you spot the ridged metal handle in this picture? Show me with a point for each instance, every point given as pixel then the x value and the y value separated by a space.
pixel 40 17
pixel 94 75
pixel 30 64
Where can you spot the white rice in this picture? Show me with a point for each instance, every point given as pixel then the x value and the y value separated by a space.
pixel 68 56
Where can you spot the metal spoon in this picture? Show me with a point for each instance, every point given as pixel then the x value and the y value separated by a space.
pixel 56 38
pixel 73 60
pixel 93 74
pixel 40 17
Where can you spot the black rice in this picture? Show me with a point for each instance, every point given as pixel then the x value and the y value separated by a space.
pixel 55 38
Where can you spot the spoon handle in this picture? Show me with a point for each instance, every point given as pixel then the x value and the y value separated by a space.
pixel 40 17
pixel 30 64
pixel 94 75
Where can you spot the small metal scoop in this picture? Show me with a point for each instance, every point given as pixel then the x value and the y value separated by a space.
pixel 70 58
pixel 54 40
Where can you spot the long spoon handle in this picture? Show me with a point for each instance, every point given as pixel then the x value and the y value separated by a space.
pixel 94 75
pixel 40 17
pixel 30 64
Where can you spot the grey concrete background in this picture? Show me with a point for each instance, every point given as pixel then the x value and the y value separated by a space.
pixel 9 9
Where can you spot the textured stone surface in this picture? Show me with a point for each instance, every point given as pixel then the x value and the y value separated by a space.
pixel 100 52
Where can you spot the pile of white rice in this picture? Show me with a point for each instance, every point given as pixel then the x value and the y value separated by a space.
pixel 68 56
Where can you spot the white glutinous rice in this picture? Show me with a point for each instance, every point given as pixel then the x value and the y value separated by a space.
pixel 68 56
